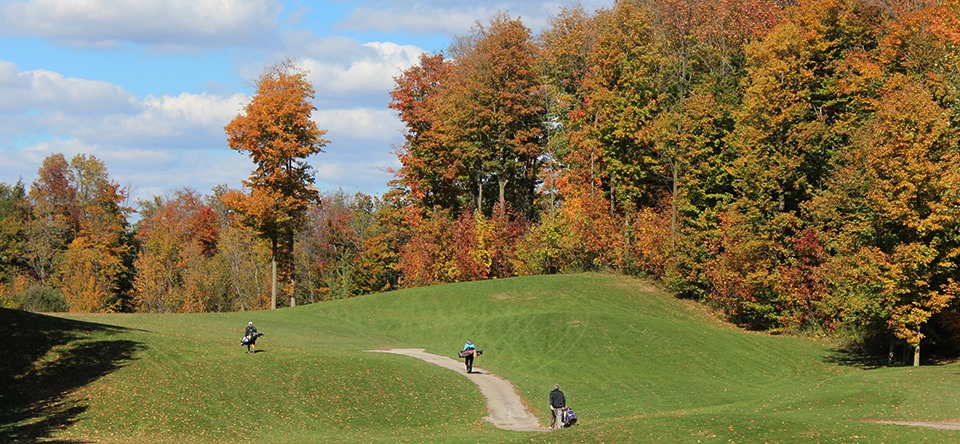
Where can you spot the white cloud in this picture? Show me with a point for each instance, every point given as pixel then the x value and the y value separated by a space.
pixel 364 79
pixel 451 17
pixel 367 176
pixel 68 147
pixel 159 23
pixel 360 149
pixel 146 171
pixel 186 121
pixel 359 123
pixel 22 91
pixel 155 172
pixel 170 119
pixel 416 18
pixel 163 143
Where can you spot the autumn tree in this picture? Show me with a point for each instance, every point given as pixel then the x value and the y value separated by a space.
pixel 892 208
pixel 380 220
pixel 427 257
pixel 505 229
pixel 242 260
pixel 429 171
pixel 619 99
pixel 14 215
pixel 278 134
pixel 330 248
pixel 564 50
pixel 80 223
pixel 55 217
pixel 52 193
pixel 700 62
pixel 177 235
pixel 14 211
pixel 580 235
pixel 793 117
pixel 495 107
pixel 472 235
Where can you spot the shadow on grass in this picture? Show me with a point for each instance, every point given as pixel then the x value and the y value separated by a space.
pixel 855 358
pixel 867 361
pixel 44 359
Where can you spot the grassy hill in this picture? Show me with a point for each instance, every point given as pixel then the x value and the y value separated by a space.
pixel 636 364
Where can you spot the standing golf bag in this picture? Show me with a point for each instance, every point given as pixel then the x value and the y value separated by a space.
pixel 252 339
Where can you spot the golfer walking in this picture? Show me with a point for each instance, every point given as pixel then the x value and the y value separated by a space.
pixel 469 350
pixel 251 334
pixel 557 403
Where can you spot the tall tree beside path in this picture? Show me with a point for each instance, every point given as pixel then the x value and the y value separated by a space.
pixel 277 133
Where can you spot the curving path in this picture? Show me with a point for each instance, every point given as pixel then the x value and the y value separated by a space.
pixel 506 411
pixel 925 424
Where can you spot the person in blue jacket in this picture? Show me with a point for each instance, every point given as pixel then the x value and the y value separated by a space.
pixel 469 350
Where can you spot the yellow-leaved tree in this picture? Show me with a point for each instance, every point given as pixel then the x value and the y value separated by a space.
pixel 894 199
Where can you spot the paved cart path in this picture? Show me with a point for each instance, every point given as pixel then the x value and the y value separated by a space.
pixel 925 424
pixel 506 411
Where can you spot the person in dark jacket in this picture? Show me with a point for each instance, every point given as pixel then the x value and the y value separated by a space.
pixel 251 334
pixel 557 403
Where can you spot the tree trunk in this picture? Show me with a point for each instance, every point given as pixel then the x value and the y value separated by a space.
pixel 916 353
pixel 479 192
pixel 503 188
pixel 288 268
pixel 673 207
pixel 291 285
pixel 273 278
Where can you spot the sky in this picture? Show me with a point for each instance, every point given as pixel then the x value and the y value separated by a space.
pixel 147 86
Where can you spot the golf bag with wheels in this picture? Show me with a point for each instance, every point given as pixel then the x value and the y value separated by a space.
pixel 569 417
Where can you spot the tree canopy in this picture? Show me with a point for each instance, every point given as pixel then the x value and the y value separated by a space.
pixel 793 164
pixel 278 134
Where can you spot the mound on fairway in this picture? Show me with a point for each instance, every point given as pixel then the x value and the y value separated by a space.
pixel 635 363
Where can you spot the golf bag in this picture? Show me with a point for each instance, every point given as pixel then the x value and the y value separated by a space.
pixel 468 352
pixel 569 417
pixel 252 339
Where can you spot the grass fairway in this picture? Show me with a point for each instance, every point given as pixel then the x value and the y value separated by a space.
pixel 636 365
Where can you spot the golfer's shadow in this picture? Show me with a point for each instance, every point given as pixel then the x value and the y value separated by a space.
pixel 474 372
pixel 259 351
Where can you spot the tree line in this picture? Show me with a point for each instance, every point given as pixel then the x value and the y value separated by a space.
pixel 794 164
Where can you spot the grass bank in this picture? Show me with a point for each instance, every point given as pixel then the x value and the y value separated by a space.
pixel 636 364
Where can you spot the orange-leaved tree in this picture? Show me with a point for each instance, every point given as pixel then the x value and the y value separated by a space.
pixel 431 172
pixel 177 235
pixel 278 135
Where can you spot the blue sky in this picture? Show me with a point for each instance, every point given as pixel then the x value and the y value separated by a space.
pixel 147 86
